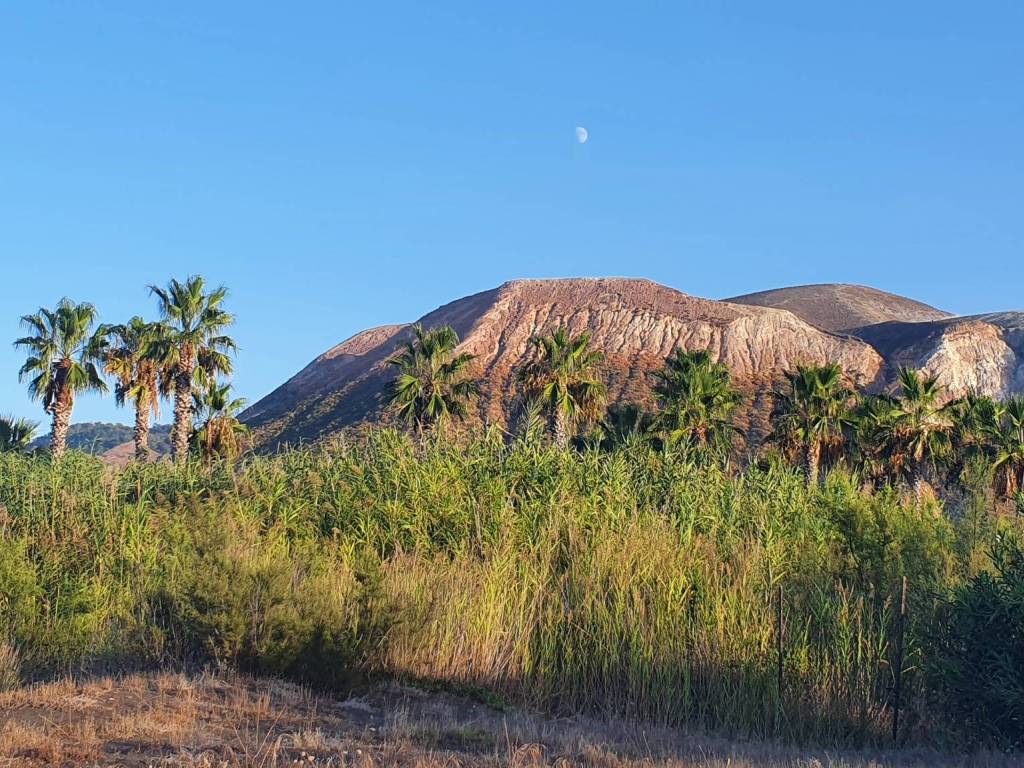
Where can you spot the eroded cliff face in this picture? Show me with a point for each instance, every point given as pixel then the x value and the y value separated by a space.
pixel 982 354
pixel 635 323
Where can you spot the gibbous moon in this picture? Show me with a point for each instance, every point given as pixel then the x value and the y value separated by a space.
pixel 581 134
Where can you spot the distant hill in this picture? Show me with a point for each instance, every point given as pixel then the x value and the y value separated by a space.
pixel 636 324
pixel 98 437
pixel 838 307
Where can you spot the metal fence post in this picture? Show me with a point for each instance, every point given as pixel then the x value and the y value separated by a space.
pixel 898 683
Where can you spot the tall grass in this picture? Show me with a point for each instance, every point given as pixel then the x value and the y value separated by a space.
pixel 625 583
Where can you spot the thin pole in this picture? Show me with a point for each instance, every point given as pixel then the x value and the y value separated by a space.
pixel 780 638
pixel 899 661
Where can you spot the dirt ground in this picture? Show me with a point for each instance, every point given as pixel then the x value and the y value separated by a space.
pixel 213 722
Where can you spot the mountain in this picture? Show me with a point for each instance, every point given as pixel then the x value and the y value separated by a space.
pixel 838 307
pixel 635 323
pixel 980 353
pixel 98 438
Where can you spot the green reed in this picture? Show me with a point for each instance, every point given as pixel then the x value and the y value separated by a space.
pixel 625 583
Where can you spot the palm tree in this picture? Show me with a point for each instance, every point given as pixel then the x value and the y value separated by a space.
pixel 63 352
pixel 1009 442
pixel 879 457
pixel 218 432
pixel 973 418
pixel 697 400
pixel 563 378
pixel 623 424
pixel 133 360
pixel 975 425
pixel 431 384
pixel 194 341
pixel 921 427
pixel 16 434
pixel 812 418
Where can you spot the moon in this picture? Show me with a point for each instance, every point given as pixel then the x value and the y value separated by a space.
pixel 581 134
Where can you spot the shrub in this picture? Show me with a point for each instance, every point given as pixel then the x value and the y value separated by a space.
pixel 979 662
pixel 251 599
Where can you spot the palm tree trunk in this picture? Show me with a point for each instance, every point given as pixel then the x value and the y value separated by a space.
pixel 813 464
pixel 917 481
pixel 182 411
pixel 1010 481
pixel 62 407
pixel 142 452
pixel 559 429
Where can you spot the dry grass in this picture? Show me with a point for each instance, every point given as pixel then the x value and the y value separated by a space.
pixel 214 722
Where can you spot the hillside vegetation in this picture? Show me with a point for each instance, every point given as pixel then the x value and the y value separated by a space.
pixel 97 437
pixel 628 582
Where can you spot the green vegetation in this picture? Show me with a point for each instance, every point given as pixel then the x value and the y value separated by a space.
pixel 564 378
pixel 980 654
pixel 16 434
pixel 63 351
pixel 431 385
pixel 642 573
pixel 180 357
pixel 696 403
pixel 141 376
pixel 628 581
pixel 218 432
pixel 191 345
pixel 98 437
pixel 812 418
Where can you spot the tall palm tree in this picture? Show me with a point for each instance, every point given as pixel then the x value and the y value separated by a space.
pixel 194 341
pixel 16 434
pixel 133 359
pixel 432 383
pixel 218 432
pixel 563 377
pixel 922 425
pixel 813 416
pixel 1009 442
pixel 63 355
pixel 697 401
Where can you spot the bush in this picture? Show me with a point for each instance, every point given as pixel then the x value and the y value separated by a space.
pixel 251 599
pixel 979 661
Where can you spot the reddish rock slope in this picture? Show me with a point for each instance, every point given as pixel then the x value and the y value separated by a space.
pixel 636 323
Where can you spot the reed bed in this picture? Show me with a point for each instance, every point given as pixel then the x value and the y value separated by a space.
pixel 628 584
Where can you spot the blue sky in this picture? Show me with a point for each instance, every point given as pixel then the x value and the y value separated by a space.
pixel 344 165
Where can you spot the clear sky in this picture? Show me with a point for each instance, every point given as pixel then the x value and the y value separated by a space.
pixel 341 165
